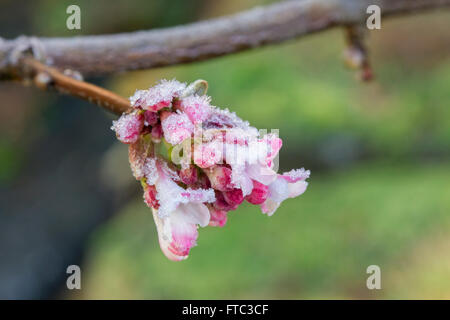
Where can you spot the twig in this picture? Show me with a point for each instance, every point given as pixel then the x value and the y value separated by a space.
pixel 104 54
pixel 45 77
pixel 355 55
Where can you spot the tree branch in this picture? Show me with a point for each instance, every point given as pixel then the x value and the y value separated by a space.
pixel 104 54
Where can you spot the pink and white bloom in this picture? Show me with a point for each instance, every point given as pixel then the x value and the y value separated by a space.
pixel 225 161
pixel 179 211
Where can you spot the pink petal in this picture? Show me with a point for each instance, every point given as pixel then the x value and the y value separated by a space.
pixel 197 195
pixel 262 174
pixel 297 188
pixel 296 175
pixel 178 233
pixel 269 207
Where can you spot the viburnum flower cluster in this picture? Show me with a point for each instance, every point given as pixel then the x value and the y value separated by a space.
pixel 197 162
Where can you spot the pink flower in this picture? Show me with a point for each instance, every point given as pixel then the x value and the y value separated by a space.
pixel 128 127
pixel 157 97
pixel 226 162
pixel 179 212
pixel 176 127
pixel 178 233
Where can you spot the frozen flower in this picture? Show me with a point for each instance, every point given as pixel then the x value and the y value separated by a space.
pixel 224 162
pixel 178 233
pixel 178 211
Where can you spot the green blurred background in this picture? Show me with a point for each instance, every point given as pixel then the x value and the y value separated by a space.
pixel 379 153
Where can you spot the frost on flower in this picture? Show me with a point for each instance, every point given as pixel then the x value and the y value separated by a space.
pixel 225 162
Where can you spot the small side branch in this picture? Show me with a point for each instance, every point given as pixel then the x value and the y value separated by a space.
pixel 45 77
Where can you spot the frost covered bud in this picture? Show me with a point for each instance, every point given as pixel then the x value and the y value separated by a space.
pixel 197 108
pixel 157 97
pixel 176 127
pixel 128 127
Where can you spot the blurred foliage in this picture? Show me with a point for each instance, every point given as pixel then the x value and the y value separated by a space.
pixel 316 246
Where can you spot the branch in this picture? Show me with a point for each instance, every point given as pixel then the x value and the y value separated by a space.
pixel 104 54
pixel 45 77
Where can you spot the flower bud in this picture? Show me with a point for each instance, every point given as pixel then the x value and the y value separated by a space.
pixel 176 127
pixel 189 175
pixel 150 118
pixel 259 193
pixel 234 197
pixel 128 127
pixel 218 217
pixel 220 177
